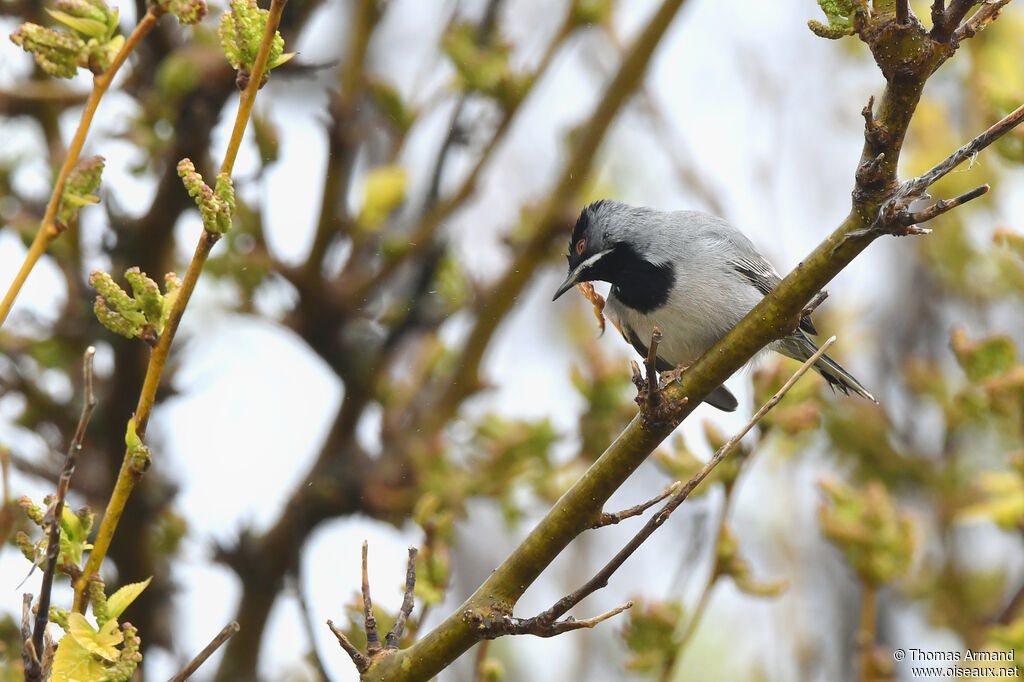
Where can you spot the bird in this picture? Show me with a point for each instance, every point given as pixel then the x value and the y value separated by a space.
pixel 688 273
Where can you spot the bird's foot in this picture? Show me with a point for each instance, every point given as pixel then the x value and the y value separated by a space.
pixel 654 406
pixel 669 376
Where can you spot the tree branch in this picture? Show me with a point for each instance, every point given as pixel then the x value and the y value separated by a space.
pixel 226 633
pixel 53 544
pixel 771 319
pixel 547 624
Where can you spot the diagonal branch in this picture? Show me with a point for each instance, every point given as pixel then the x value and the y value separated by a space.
pixel 546 624
pixel 226 633
pixel 53 544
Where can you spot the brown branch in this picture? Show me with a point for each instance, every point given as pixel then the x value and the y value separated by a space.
pixel 224 635
pixel 944 205
pixel 29 655
pixel 488 627
pixel 362 665
pixel 902 12
pixel 374 650
pixel 394 635
pixel 945 23
pixel 988 13
pixel 894 215
pixel 373 646
pixel 601 578
pixel 53 544
pixel 421 235
pixel 610 519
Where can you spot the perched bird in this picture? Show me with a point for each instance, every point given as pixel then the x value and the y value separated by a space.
pixel 690 274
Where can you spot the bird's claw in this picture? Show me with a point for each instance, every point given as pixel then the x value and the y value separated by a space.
pixel 654 406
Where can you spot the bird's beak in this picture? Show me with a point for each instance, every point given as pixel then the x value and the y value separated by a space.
pixel 570 281
pixel 574 275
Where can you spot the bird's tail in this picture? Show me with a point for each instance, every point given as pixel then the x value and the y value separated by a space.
pixel 801 347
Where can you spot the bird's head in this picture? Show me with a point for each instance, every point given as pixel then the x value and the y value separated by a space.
pixel 591 246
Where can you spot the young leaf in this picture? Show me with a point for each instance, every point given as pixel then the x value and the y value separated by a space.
pixel 103 643
pixel 119 601
pixel 74 663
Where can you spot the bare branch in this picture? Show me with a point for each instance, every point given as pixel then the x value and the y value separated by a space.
pixel 993 133
pixel 538 626
pixel 226 633
pixel 988 13
pixel 394 635
pixel 373 646
pixel 894 215
pixel 374 650
pixel 29 657
pixel 610 519
pixel 362 665
pixel 53 544
pixel 943 205
pixel 945 22
pixel 489 625
pixel 902 12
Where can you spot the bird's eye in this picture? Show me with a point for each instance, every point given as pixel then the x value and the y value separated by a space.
pixel 580 246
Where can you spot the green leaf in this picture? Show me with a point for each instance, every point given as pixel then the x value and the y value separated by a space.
pixel 286 57
pixel 985 358
pixel 385 190
pixel 103 643
pixel 90 27
pixel 74 663
pixel 120 600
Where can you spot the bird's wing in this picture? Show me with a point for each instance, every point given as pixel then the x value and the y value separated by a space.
pixel 763 276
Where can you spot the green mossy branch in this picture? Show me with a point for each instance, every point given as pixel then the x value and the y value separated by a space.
pixel 906 56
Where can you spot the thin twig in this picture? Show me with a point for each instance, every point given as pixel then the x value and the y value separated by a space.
pixel 428 224
pixel 224 635
pixel 127 477
pixel 373 646
pixel 309 625
pixel 394 635
pixel 29 653
pixel 48 230
pixel 601 579
pixel 546 624
pixel 986 14
pixel 610 519
pixel 53 544
pixel 362 665
pixel 943 205
pixel 993 133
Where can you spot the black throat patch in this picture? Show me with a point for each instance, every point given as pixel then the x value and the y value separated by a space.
pixel 637 283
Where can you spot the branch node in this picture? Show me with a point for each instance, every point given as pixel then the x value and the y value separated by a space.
pixel 610 519
pixel 374 650
pixel 393 636
pixel 876 134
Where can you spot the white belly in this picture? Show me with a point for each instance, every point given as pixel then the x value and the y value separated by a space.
pixel 689 324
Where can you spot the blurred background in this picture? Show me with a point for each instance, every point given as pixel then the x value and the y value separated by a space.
pixel 389 249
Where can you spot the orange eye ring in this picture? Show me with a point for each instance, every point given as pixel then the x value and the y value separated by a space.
pixel 580 246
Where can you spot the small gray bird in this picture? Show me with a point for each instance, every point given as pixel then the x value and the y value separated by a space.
pixel 692 275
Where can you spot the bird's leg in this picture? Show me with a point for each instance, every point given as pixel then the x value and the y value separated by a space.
pixel 668 376
pixel 653 405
